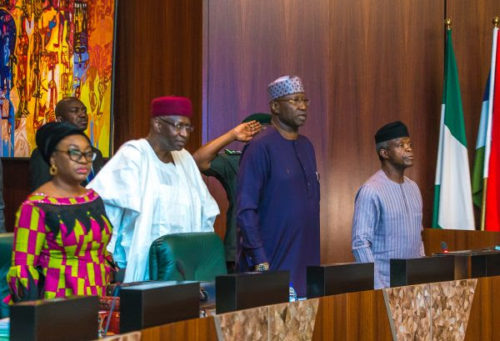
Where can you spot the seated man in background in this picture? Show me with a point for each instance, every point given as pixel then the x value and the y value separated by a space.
pixel 224 167
pixel 388 207
pixel 72 110
pixel 152 187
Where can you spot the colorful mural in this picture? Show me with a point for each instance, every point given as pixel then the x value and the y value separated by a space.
pixel 51 49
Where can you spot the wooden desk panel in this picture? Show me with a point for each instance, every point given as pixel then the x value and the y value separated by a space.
pixel 354 316
pixel 485 312
pixel 202 329
pixel 458 240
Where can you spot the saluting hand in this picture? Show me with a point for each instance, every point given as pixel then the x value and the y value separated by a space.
pixel 244 132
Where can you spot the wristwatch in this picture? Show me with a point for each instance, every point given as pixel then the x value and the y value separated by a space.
pixel 262 267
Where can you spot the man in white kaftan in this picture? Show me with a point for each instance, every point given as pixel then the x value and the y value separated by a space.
pixel 146 198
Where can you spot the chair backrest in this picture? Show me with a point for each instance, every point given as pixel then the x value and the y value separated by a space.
pixel 187 256
pixel 6 241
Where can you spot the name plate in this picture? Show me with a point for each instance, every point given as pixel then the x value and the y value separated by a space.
pixel 155 303
pixel 250 289
pixel 422 270
pixel 72 318
pixel 485 264
pixel 335 279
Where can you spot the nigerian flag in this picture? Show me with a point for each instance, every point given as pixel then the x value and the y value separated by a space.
pixel 452 191
pixel 478 170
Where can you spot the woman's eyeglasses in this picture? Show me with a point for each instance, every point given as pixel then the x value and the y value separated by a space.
pixel 76 155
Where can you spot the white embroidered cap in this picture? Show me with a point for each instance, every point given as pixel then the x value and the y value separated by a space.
pixel 285 85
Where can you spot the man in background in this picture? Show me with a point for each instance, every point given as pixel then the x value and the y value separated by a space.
pixel 72 110
pixel 224 167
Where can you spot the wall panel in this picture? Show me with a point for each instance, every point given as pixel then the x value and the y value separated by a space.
pixel 158 53
pixel 363 65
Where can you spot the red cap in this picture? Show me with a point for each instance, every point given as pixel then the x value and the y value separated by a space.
pixel 171 106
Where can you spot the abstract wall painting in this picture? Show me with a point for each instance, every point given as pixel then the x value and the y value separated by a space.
pixel 51 49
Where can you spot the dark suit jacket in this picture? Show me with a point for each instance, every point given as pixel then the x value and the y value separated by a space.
pixel 39 169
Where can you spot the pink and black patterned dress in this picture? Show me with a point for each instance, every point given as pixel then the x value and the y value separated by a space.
pixel 60 248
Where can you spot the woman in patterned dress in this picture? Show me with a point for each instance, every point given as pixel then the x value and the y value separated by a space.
pixel 61 229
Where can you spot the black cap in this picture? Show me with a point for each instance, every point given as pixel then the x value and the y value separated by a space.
pixel 50 134
pixel 391 131
pixel 261 117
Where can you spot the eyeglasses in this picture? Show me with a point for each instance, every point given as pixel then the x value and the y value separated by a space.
pixel 76 155
pixel 295 101
pixel 179 126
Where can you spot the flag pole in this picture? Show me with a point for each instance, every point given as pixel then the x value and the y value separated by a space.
pixel 483 206
pixel 447 22
pixel 496 23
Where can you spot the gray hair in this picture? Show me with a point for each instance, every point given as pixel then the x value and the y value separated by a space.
pixel 381 145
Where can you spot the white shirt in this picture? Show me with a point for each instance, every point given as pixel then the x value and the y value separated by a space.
pixel 146 198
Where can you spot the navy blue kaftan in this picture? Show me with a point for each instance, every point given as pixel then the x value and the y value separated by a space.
pixel 278 205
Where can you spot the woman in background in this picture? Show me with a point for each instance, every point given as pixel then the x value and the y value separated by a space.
pixel 61 230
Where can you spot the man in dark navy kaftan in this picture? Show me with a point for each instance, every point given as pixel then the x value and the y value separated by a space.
pixel 278 191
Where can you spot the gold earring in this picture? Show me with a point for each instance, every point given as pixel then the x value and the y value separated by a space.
pixel 53 169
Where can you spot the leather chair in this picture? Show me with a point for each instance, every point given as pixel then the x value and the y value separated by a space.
pixel 6 241
pixel 187 256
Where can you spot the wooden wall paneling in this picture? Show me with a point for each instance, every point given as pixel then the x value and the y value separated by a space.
pixel 158 53
pixel 250 43
pixel 387 65
pixel 363 65
pixel 472 39
pixel 15 187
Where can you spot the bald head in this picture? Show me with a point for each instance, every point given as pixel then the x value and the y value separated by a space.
pixel 72 110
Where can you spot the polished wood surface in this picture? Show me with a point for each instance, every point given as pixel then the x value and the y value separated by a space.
pixel 485 311
pixel 458 240
pixel 158 53
pixel 202 329
pixel 354 316
pixel 15 187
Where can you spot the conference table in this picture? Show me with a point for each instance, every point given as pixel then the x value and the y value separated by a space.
pixel 463 309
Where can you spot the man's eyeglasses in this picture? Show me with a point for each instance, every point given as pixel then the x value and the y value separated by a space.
pixel 295 101
pixel 76 155
pixel 179 126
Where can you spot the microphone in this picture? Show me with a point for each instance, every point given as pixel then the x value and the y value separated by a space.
pixel 444 247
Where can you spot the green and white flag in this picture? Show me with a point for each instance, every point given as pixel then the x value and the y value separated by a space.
pixel 452 192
